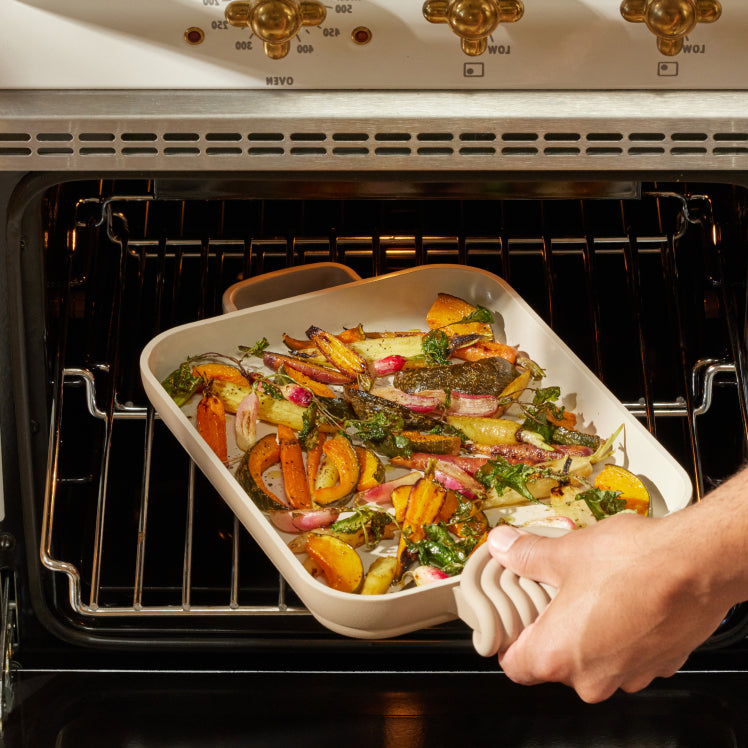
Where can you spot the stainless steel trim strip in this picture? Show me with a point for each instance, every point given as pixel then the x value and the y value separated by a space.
pixel 386 131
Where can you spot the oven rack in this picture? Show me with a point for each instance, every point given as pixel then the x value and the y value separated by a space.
pixel 706 372
pixel 101 390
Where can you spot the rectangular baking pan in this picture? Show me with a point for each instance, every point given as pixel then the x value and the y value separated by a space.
pixel 397 301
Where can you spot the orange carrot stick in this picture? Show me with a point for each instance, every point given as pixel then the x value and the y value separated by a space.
pixel 211 424
pixel 224 372
pixel 486 349
pixel 318 388
pixel 292 466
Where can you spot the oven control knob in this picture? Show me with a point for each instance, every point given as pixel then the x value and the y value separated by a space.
pixel 276 22
pixel 671 20
pixel 473 20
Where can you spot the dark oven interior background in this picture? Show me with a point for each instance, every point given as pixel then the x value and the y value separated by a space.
pixel 138 549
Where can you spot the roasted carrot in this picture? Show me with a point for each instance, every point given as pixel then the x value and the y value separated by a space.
pixel 338 353
pixel 425 503
pixel 223 372
pixel 318 388
pixel 400 501
pixel 486 349
pixel 292 466
pixel 569 420
pixel 211 424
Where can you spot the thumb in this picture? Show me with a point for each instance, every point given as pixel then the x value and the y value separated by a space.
pixel 524 553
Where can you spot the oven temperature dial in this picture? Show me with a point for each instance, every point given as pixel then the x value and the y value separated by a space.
pixel 276 22
pixel 473 20
pixel 671 20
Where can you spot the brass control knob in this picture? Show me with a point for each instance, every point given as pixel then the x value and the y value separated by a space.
pixel 473 20
pixel 276 22
pixel 671 20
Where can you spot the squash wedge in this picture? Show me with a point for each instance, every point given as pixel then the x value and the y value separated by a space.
pixel 264 453
pixel 446 313
pixel 340 563
pixel 343 456
pixel 371 469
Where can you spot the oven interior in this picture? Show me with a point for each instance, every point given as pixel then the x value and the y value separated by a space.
pixel 128 546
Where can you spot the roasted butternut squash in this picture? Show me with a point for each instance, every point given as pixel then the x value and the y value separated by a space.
pixel 617 478
pixel 264 453
pixel 340 563
pixel 448 310
pixel 341 452
pixel 371 469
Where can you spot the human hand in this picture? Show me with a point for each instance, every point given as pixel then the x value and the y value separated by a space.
pixel 632 604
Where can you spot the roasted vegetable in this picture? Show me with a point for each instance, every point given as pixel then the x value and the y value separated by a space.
pixel 425 502
pixel 245 422
pixel 384 491
pixel 571 437
pixel 341 453
pixel 399 500
pixel 182 384
pixel 224 372
pixel 509 484
pixel 441 550
pixel 270 409
pixel 375 524
pixel 528 453
pixel 380 576
pixel 340 355
pixel 313 461
pixel 318 388
pixel 340 563
pixel 602 503
pixel 210 418
pixel 488 376
pixel 458 317
pixel 629 486
pixel 486 430
pixel 294 471
pixel 325 374
pixel 486 349
pixel 366 405
pixel 256 461
pixel 376 349
pixel 371 469
pixel 421 460
pixel 442 444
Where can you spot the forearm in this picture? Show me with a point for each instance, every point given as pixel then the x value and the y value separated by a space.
pixel 709 542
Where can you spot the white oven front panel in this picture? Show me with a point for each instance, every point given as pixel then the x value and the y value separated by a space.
pixel 359 44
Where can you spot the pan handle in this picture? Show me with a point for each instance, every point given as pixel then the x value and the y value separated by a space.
pixel 496 603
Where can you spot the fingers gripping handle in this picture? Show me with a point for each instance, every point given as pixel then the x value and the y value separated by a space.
pixel 496 603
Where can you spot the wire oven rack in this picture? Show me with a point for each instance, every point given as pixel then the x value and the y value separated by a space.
pixel 639 288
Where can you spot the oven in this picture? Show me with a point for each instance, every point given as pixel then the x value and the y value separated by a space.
pixel 154 155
